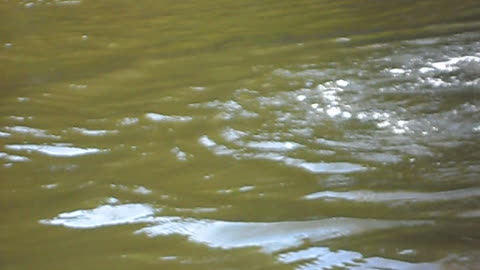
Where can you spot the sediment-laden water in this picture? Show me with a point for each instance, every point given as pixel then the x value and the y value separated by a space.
pixel 240 135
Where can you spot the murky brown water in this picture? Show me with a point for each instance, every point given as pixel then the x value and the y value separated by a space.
pixel 240 134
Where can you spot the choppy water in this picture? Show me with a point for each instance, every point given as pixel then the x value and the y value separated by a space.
pixel 224 135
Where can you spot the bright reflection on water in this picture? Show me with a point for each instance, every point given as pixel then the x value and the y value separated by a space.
pixel 54 150
pixel 103 216
pixel 273 237
pixel 240 135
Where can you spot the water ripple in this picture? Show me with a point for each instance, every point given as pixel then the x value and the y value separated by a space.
pixel 273 151
pixel 270 236
pixel 54 150
pixel 167 118
pixel 395 196
pixel 105 215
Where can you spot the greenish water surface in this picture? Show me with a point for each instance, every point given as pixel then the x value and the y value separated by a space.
pixel 240 134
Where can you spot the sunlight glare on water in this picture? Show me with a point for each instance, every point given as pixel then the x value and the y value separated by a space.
pixel 240 135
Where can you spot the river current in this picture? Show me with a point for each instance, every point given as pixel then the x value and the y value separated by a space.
pixel 309 135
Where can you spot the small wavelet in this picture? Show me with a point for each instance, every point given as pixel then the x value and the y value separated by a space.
pixel 135 188
pixel 91 132
pixel 396 196
pixel 54 150
pixel 13 158
pixel 271 237
pixel 246 188
pixel 229 110
pixel 309 73
pixel 142 190
pixel 323 258
pixel 332 167
pixel 23 99
pixel 128 121
pixel 17 118
pixel 198 88
pixel 196 210
pixel 30 4
pixel 469 214
pixel 456 63
pixel 167 118
pixel 273 146
pixel 233 135
pixel 112 200
pixel 218 149
pixel 50 186
pixel 274 151
pixel 36 132
pixel 179 154
pixel 397 71
pixel 106 215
